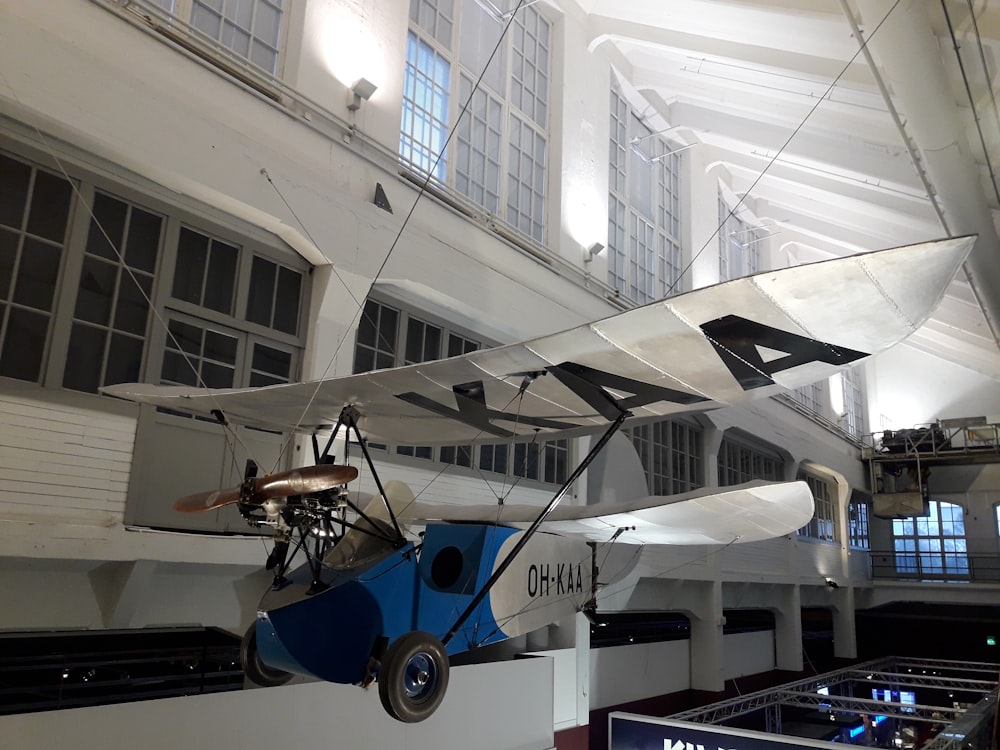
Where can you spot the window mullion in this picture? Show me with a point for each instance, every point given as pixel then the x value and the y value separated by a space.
pixel 66 288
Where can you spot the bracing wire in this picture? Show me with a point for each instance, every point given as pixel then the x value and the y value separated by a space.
pixel 770 163
pixel 406 219
pixel 232 436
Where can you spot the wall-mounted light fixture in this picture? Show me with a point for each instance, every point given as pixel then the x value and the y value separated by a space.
pixel 361 89
pixel 591 252
pixel 831 583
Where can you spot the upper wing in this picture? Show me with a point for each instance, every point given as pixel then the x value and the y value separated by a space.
pixel 711 515
pixel 723 344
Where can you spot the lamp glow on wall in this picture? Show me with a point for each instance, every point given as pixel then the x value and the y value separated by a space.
pixel 350 50
pixel 837 394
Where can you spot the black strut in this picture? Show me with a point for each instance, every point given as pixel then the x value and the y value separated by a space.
pixel 556 498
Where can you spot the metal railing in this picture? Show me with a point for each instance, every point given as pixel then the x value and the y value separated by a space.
pixel 55 670
pixel 932 567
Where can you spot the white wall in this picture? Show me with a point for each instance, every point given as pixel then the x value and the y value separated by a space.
pixel 477 712
pixel 749 653
pixel 621 674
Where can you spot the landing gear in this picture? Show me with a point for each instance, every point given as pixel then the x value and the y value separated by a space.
pixel 413 677
pixel 256 670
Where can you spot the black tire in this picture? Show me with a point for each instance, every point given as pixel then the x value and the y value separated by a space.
pixel 256 670
pixel 413 677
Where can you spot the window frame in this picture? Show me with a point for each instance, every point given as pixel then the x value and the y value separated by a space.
pixel 87 182
pixel 180 27
pixel 658 446
pixel 739 244
pixel 520 201
pixel 859 524
pixel 823 526
pixel 913 551
pixel 757 454
pixel 644 244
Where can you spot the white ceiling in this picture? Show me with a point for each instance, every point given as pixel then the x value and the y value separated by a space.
pixel 781 97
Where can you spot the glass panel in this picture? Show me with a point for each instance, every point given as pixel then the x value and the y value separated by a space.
pixel 273 361
pixel 36 278
pixel 8 258
pixel 221 279
pixel 106 225
pixel 124 359
pixel 14 179
pixel 189 273
pixel 206 20
pixel 260 299
pixel 217 376
pixel 49 206
pixel 184 336
pixel 220 347
pixel 84 358
pixel 263 56
pixel 176 369
pixel 97 291
pixel 24 344
pixel 143 240
pixel 132 310
pixel 480 33
pixel 287 298
pixel 268 23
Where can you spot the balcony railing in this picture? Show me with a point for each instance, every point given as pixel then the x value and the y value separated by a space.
pixel 964 567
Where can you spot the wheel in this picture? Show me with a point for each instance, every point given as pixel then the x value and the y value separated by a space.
pixel 413 677
pixel 256 670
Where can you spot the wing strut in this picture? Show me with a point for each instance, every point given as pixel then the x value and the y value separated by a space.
pixel 349 418
pixel 556 498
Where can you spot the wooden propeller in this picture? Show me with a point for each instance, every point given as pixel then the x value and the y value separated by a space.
pixel 302 481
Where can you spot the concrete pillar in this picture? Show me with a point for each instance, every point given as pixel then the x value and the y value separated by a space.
pixel 707 651
pixel 582 670
pixel 788 628
pixel 845 637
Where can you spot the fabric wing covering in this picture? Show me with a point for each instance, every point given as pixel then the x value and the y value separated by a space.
pixel 720 345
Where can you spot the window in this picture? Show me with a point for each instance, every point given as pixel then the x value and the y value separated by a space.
pixel 741 462
pixel 857 523
pixel 34 218
pixel 389 336
pixel 739 245
pixel 671 453
pixel 810 396
pixel 250 29
pixel 147 291
pixel 853 401
pixel 644 256
pixel 122 317
pixel 823 525
pixel 447 49
pixel 932 547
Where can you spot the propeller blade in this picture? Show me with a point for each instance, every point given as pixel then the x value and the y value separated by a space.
pixel 202 501
pixel 302 481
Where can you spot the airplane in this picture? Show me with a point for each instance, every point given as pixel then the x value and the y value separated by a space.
pixel 378 601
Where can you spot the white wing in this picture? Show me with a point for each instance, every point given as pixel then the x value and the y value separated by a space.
pixel 720 345
pixel 711 515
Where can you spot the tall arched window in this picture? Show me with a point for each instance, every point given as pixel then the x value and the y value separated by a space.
pixel 932 547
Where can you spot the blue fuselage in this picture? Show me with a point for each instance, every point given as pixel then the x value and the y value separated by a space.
pixel 333 634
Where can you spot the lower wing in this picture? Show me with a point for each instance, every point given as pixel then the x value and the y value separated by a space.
pixel 748 512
